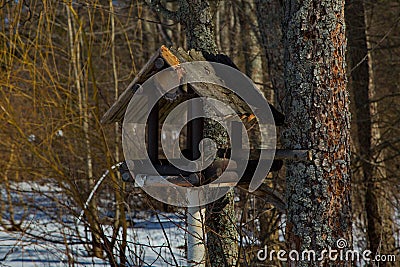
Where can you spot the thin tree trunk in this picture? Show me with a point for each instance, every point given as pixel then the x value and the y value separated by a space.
pixel 233 29
pixel 75 46
pixel 119 186
pixel 250 49
pixel 222 236
pixel 222 247
pixel 378 211
pixel 217 23
pixel 269 17
pixel 317 111
pixel 224 26
pixel 13 225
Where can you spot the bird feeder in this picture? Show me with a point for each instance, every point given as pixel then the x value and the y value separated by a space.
pixel 164 58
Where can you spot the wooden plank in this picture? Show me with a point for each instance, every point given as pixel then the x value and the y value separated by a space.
pixel 215 91
pixel 280 154
pixel 202 89
pixel 168 56
pixel 219 92
pixel 209 89
pixel 117 110
pixel 162 181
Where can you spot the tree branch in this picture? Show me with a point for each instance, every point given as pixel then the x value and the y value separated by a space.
pixel 158 7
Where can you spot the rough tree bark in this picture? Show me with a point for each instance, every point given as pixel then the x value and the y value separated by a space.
pixel 378 211
pixel 317 111
pixel 222 236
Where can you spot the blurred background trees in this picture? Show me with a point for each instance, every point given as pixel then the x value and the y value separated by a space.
pixel 370 156
pixel 63 63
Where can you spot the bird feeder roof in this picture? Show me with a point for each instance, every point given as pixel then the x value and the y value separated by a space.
pixel 166 57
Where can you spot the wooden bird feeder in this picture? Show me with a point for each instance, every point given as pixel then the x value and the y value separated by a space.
pixel 164 58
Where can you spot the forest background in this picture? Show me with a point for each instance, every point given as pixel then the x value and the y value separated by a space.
pixel 64 63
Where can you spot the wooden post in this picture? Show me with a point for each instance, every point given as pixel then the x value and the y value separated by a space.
pixel 195 237
pixel 196 249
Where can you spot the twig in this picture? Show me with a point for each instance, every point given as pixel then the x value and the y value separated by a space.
pixel 94 190
pixel 167 239
pixel 377 44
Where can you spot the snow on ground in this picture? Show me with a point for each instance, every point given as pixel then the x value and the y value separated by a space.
pixel 49 236
pixel 16 249
pixel 147 242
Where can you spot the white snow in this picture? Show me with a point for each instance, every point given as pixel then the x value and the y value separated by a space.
pixel 50 239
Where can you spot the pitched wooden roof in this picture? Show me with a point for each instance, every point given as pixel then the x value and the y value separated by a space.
pixel 164 58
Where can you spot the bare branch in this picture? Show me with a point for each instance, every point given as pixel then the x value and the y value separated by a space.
pixel 158 7
pixel 5 3
pixel 384 97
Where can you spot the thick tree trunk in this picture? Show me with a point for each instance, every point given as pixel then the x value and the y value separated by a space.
pixel 378 211
pixel 317 112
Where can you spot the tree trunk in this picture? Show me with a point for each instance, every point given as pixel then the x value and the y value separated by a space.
pixel 119 186
pixel 269 15
pixel 222 236
pixel 317 111
pixel 196 16
pixel 250 49
pixel 269 18
pixel 83 106
pixel 378 211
